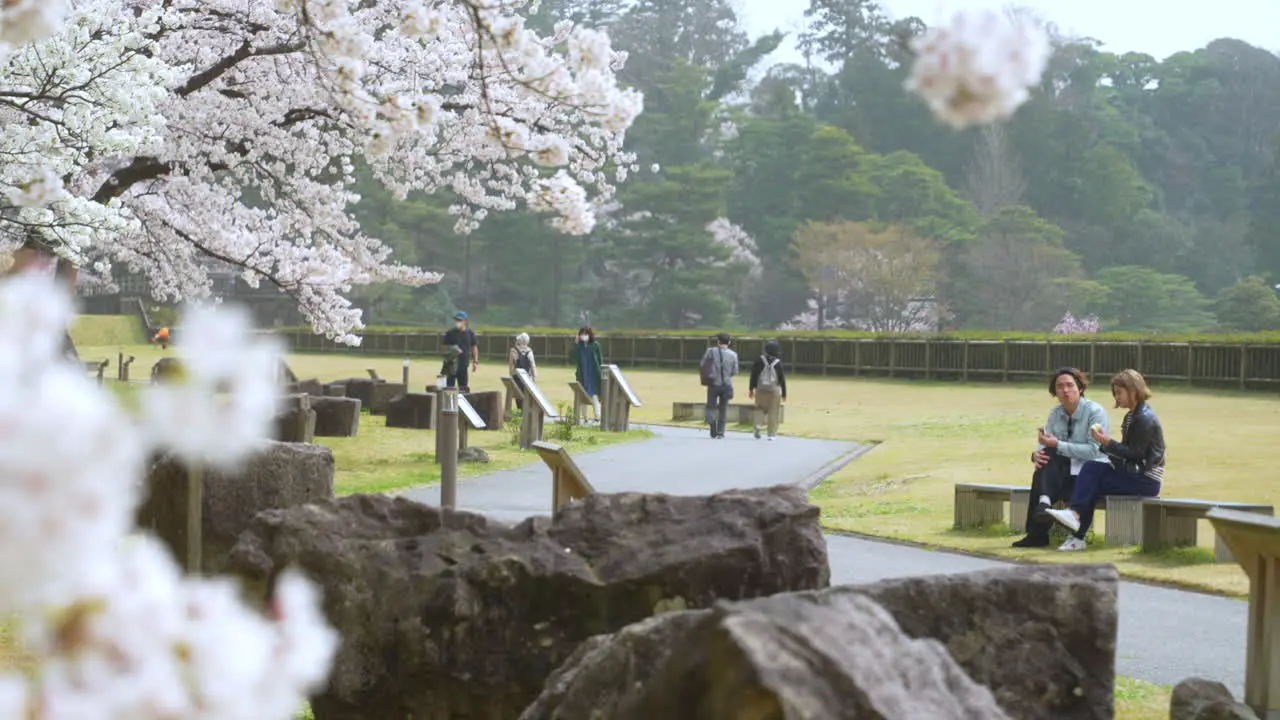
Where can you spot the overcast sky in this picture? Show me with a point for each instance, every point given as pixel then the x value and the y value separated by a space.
pixel 1156 27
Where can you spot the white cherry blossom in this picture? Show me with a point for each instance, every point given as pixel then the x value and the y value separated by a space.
pixel 191 131
pixel 979 67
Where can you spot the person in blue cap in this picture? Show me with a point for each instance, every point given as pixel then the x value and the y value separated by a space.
pixel 460 343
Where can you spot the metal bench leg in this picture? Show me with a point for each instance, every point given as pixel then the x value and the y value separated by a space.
pixel 1124 521
pixel 1019 506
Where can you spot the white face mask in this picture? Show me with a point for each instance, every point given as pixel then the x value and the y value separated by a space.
pixel 583 338
pixel 459 324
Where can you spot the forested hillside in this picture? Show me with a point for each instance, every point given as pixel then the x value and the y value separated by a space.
pixel 1144 192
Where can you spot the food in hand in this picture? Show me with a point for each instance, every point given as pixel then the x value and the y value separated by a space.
pixel 1096 427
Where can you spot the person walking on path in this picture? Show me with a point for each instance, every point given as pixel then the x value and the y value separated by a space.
pixel 521 358
pixel 719 365
pixel 768 388
pixel 1137 459
pixel 460 343
pixel 589 365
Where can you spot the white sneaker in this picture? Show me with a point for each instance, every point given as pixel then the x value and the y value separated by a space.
pixel 772 438
pixel 1073 544
pixel 1067 518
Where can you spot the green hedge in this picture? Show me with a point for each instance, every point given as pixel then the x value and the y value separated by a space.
pixel 1241 338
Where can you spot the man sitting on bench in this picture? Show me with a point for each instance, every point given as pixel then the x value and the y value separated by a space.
pixel 1065 446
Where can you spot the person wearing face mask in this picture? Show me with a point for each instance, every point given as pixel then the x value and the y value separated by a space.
pixel 463 338
pixel 589 365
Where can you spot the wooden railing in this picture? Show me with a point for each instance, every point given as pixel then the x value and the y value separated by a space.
pixel 1209 364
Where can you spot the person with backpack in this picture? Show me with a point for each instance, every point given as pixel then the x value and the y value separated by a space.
pixel 768 388
pixel 719 365
pixel 521 358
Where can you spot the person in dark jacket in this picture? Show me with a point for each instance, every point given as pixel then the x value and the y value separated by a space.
pixel 768 388
pixel 1137 460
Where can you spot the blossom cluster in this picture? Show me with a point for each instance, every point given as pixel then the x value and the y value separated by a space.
pixel 1072 325
pixel 116 631
pixel 978 68
pixel 740 243
pixel 169 137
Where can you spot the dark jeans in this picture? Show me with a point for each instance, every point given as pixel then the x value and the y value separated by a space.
pixel 460 379
pixel 718 397
pixel 1098 479
pixel 1054 480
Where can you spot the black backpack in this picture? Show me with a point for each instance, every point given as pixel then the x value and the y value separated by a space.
pixel 524 361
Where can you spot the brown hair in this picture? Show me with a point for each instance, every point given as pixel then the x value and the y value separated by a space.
pixel 1132 381
pixel 589 332
pixel 1082 380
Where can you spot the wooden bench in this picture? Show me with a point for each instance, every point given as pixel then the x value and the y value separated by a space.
pixel 567 481
pixel 979 504
pixel 738 413
pixel 1254 540
pixel 1173 522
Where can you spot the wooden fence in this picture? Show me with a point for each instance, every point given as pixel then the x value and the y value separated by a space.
pixel 1208 364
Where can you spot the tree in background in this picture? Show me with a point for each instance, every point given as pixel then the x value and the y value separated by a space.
pixel 881 278
pixel 1250 305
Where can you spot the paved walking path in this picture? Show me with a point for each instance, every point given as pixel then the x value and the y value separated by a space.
pixel 1165 635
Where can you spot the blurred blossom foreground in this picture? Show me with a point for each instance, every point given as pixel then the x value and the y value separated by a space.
pixel 979 68
pixel 114 628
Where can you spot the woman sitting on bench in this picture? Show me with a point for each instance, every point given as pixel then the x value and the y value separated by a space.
pixel 1137 460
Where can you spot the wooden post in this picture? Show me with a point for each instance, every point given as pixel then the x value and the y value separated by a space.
pixel 825 355
pixel 928 359
pixel 964 362
pixel 1093 358
pixel 1191 366
pixel 1138 366
pixel 447 441
pixel 1254 542
pixel 1244 366
pixel 857 357
pixel 1048 356
pixel 606 400
pixel 893 356
pixel 1005 376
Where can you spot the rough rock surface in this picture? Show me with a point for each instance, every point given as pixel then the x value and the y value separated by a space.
pixel 1041 638
pixel 1199 699
pixel 789 657
pixel 450 615
pixel 336 416
pixel 278 476
pixel 381 394
pixel 412 410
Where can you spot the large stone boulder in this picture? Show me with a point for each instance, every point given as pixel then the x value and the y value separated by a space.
pixel 450 614
pixel 412 410
pixel 1200 699
pixel 310 386
pixel 1041 638
pixel 382 394
pixel 788 657
pixel 336 416
pixel 296 425
pixel 361 389
pixel 280 475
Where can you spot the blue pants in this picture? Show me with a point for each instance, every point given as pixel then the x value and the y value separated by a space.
pixel 718 397
pixel 1097 479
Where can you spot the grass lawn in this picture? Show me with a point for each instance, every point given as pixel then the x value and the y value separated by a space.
pixel 379 458
pixel 930 436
